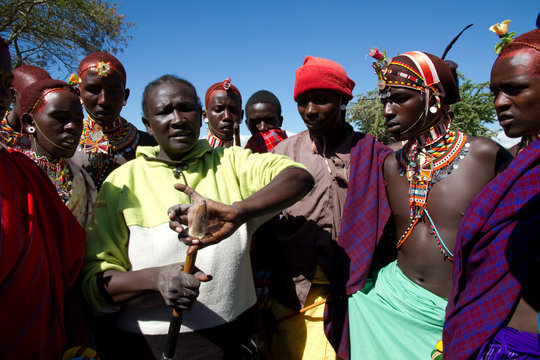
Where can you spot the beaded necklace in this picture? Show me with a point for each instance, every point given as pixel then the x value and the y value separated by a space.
pixel 427 160
pixel 215 142
pixel 58 172
pixel 9 136
pixel 103 146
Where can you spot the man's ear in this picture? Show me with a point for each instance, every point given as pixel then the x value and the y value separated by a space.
pixel 280 121
pixel 147 126
pixel 126 96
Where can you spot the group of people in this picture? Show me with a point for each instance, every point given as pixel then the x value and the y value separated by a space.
pixel 421 249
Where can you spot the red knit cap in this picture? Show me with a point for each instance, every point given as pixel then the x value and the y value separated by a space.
pixel 222 86
pixel 319 73
pixel 93 60
pixel 26 75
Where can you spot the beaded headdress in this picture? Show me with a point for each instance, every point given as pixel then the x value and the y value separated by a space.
pixel 422 76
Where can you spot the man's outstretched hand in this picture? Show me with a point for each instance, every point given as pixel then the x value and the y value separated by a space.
pixel 223 220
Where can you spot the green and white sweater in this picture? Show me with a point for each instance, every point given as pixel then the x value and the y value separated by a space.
pixel 130 231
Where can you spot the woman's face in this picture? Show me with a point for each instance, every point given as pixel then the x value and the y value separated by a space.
pixel 224 111
pixel 58 121
pixel 174 119
pixel 103 97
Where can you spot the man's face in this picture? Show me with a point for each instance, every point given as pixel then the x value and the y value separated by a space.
pixel 320 110
pixel 261 117
pixel 103 97
pixel 515 83
pixel 6 78
pixel 174 119
pixel 224 110
pixel 404 112
pixel 59 123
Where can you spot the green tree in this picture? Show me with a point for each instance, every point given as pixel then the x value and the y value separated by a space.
pixel 471 114
pixel 59 32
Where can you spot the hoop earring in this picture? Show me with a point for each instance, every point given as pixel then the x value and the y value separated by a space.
pixel 30 129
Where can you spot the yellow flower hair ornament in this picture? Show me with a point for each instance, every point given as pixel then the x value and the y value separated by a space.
pixel 502 31
pixel 74 79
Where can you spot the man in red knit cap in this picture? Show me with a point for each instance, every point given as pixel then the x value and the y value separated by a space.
pixel 304 265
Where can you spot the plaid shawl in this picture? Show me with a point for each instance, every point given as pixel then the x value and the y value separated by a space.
pixel 364 217
pixel 41 255
pixel 265 142
pixel 496 246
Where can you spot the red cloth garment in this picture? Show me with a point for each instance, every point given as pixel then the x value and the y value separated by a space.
pixel 496 250
pixel 364 218
pixel 265 142
pixel 41 254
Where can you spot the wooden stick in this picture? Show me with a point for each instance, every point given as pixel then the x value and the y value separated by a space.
pixel 197 229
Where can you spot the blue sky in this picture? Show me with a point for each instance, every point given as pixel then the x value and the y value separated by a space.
pixel 260 44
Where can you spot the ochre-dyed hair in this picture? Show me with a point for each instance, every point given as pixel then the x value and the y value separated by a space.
pixel 444 72
pixel 26 75
pixel 232 90
pixel 529 40
pixel 31 98
pixel 91 60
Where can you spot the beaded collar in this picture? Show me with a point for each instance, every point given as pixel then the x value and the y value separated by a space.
pixel 427 160
pixel 215 142
pixel 58 171
pixel 105 145
pixel 9 136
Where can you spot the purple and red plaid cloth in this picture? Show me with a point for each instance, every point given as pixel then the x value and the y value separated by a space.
pixel 496 248
pixel 365 214
pixel 265 142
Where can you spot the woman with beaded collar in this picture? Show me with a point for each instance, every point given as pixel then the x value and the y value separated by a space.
pixel 52 117
pixel 108 140
pixel 430 182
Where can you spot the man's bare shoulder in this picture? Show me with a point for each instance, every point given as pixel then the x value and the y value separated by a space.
pixel 489 151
